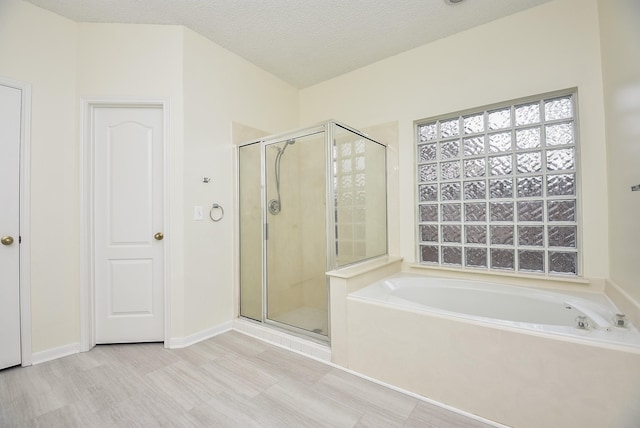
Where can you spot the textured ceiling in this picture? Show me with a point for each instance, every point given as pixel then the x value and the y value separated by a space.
pixel 303 42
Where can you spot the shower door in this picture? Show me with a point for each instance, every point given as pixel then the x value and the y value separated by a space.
pixel 295 197
pixel 310 201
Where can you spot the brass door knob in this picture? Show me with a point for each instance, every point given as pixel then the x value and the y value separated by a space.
pixel 159 236
pixel 7 240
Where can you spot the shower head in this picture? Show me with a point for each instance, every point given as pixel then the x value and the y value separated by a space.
pixel 286 144
pixel 283 148
pixel 275 204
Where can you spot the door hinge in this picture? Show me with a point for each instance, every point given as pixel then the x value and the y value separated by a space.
pixel 266 231
pixel 19 239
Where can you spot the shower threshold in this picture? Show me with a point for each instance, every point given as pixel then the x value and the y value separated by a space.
pixel 272 333
pixel 310 319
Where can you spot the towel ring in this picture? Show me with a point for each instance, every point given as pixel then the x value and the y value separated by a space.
pixel 219 217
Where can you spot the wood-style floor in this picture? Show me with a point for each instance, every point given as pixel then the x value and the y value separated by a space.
pixel 231 380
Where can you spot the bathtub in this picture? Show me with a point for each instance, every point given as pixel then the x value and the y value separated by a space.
pixel 506 305
pixel 509 354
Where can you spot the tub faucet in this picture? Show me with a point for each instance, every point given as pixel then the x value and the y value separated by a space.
pixel 620 320
pixel 581 322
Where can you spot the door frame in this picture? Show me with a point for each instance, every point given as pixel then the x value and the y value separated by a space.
pixel 25 217
pixel 87 268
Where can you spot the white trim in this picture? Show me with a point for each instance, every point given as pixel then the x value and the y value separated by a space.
pixel 55 353
pixel 25 218
pixel 167 246
pixel 183 342
pixel 25 228
pixel 87 316
pixel 87 322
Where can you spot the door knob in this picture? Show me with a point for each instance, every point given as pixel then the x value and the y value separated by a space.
pixel 6 240
pixel 159 236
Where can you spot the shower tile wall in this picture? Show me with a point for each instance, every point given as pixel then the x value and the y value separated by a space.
pixel 283 253
pixel 314 239
pixel 297 242
pixel 296 248
pixel 361 198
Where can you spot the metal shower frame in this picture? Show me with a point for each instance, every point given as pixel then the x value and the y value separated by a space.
pixel 328 128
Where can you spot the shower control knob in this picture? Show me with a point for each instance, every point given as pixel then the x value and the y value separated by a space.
pixel 274 207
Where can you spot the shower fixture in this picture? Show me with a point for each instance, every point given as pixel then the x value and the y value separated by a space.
pixel 284 253
pixel 275 205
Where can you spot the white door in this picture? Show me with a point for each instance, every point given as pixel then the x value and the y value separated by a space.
pixel 10 108
pixel 128 219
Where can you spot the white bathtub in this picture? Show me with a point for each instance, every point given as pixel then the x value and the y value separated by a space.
pixel 506 305
pixel 509 354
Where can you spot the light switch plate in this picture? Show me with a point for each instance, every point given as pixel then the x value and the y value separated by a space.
pixel 198 213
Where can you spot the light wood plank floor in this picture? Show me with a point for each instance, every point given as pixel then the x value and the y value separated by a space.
pixel 231 380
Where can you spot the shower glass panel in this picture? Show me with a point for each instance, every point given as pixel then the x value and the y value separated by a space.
pixel 250 197
pixel 310 201
pixel 360 197
pixel 296 256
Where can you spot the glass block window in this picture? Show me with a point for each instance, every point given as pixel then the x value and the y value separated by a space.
pixel 350 183
pixel 497 188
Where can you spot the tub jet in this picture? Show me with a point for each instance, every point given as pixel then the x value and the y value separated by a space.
pixel 581 322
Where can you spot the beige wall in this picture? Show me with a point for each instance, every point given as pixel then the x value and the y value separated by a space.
pixel 219 88
pixel 39 48
pixel 206 88
pixel 297 245
pixel 620 38
pixel 543 49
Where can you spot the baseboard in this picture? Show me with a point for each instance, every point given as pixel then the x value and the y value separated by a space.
pixel 55 353
pixel 183 342
pixel 174 343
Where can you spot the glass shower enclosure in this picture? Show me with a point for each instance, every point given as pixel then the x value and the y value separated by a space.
pixel 310 201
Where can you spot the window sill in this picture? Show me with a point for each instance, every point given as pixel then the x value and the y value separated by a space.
pixel 511 277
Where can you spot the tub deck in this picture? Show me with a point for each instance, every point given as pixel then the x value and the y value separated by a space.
pixel 504 305
pixel 515 376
